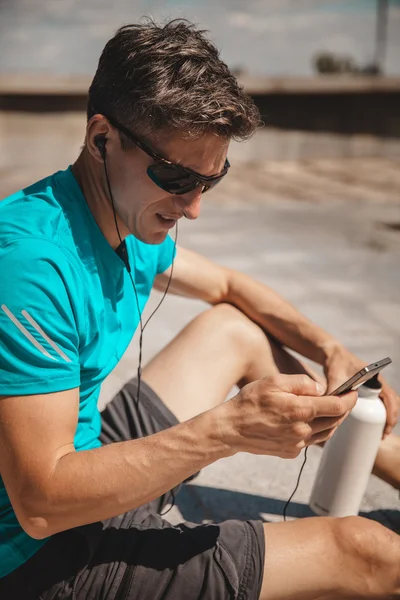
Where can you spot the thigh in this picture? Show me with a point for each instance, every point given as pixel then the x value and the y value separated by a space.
pixel 140 556
pixel 198 368
pixel 145 557
pixel 50 573
pixel 134 413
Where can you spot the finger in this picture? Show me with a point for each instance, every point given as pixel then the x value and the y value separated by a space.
pixel 391 406
pixel 300 385
pixel 326 406
pixel 314 375
pixel 323 436
pixel 388 430
pixel 326 423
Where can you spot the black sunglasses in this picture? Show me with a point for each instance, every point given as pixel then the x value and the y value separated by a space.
pixel 169 176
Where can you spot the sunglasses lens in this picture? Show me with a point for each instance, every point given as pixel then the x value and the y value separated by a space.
pixel 172 179
pixel 177 181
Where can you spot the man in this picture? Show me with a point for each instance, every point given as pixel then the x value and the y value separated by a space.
pixel 79 515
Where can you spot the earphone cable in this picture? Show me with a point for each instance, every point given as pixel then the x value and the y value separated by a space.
pixel 142 327
pixel 128 267
pixel 297 484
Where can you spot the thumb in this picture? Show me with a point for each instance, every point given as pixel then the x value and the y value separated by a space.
pixel 300 385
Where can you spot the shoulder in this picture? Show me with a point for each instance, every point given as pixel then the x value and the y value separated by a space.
pixel 33 263
pixel 36 211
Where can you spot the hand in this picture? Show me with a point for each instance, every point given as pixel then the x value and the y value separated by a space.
pixel 281 415
pixel 341 364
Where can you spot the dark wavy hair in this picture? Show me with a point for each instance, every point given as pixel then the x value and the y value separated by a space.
pixel 153 78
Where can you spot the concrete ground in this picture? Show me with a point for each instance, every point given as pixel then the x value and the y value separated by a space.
pixel 326 235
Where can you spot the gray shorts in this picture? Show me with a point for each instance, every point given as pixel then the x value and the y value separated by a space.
pixel 140 555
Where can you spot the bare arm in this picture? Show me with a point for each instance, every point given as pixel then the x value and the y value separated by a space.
pixel 52 487
pixel 197 277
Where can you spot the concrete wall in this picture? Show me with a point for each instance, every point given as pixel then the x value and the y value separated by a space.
pixel 346 113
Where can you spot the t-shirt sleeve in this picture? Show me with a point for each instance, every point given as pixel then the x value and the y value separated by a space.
pixel 39 341
pixel 166 255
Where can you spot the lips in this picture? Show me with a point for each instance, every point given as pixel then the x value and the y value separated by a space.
pixel 168 217
pixel 167 220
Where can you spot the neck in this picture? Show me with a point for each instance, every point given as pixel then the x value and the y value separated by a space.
pixel 91 178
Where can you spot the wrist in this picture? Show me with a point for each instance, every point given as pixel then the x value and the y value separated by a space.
pixel 223 429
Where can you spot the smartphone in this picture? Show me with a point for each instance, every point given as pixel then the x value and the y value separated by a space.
pixel 361 377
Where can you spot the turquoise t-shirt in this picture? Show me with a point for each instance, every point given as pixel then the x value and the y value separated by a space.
pixel 67 312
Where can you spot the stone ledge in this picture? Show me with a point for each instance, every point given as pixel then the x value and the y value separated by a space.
pixel 40 83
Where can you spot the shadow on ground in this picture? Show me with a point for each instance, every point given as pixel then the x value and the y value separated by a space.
pixel 200 503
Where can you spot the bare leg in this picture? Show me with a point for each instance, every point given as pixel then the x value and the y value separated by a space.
pixel 320 558
pixel 387 464
pixel 218 349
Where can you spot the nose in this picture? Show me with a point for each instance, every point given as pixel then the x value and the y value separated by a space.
pixel 190 203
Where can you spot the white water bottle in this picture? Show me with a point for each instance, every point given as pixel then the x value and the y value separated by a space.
pixel 349 456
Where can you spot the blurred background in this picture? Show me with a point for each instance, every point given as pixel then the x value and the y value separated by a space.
pixel 263 37
pixel 324 73
pixel 311 206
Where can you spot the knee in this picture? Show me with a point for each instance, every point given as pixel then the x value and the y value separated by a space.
pixel 371 551
pixel 241 330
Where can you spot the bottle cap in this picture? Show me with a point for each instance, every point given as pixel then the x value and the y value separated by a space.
pixel 373 383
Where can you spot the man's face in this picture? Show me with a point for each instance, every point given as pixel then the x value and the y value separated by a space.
pixel 148 211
